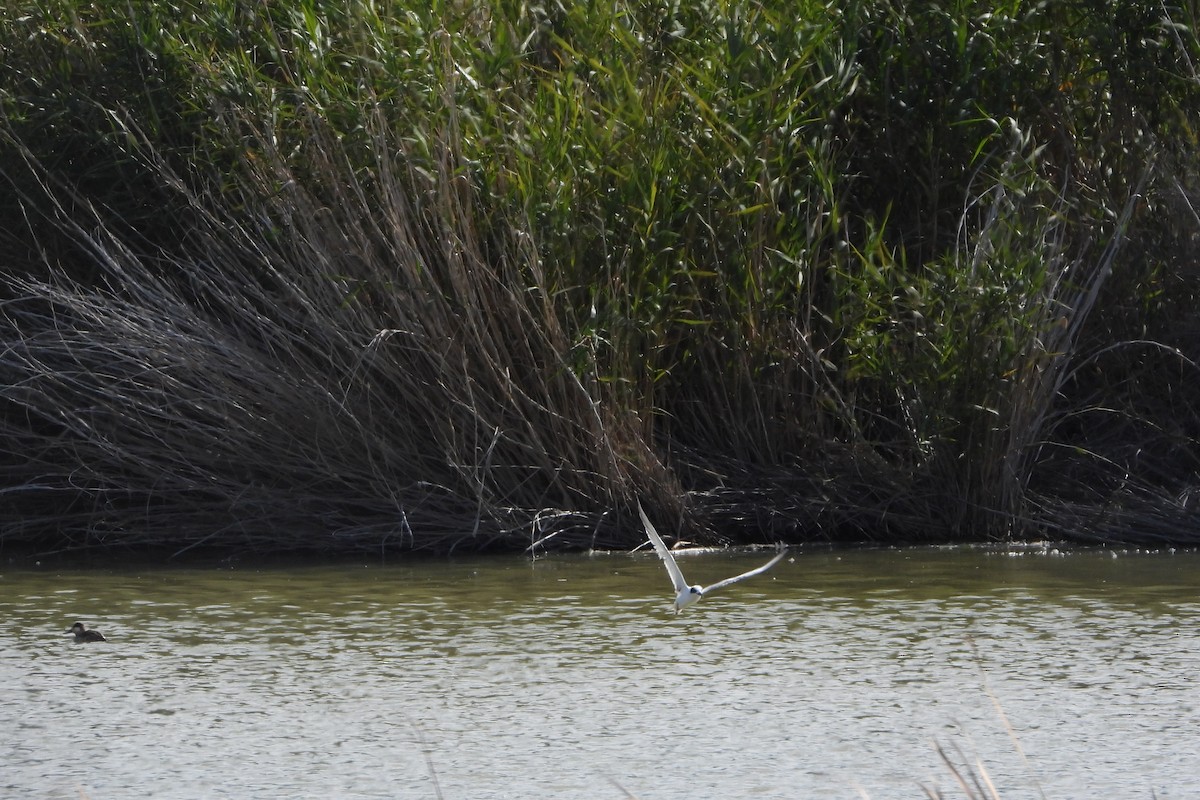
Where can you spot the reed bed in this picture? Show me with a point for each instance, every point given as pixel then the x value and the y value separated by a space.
pixel 380 276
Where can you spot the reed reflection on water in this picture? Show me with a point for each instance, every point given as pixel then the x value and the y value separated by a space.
pixel 834 675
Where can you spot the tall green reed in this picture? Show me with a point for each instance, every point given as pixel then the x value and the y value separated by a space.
pixel 511 264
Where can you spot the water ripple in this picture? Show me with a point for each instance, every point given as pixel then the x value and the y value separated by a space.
pixel 835 676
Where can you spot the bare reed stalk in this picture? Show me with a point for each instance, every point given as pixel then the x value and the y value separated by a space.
pixel 338 365
pixel 975 783
pixel 1112 461
pixel 1049 348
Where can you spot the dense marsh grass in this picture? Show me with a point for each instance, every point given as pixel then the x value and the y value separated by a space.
pixel 359 275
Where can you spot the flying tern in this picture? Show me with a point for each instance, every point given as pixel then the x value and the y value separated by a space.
pixel 685 595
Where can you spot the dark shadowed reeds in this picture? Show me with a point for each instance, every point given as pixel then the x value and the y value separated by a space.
pixel 475 276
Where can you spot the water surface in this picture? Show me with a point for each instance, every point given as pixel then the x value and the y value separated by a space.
pixel 837 675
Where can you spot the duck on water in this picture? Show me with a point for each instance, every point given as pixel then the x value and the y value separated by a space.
pixel 82 634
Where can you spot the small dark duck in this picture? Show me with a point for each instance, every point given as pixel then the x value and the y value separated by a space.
pixel 82 634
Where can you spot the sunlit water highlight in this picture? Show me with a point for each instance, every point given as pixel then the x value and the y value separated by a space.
pixel 835 676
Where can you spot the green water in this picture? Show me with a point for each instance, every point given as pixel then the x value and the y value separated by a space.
pixel 835 675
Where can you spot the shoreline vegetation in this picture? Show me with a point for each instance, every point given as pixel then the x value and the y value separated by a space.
pixel 321 277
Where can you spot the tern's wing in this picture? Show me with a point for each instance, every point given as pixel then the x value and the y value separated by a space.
pixel 663 552
pixel 745 575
